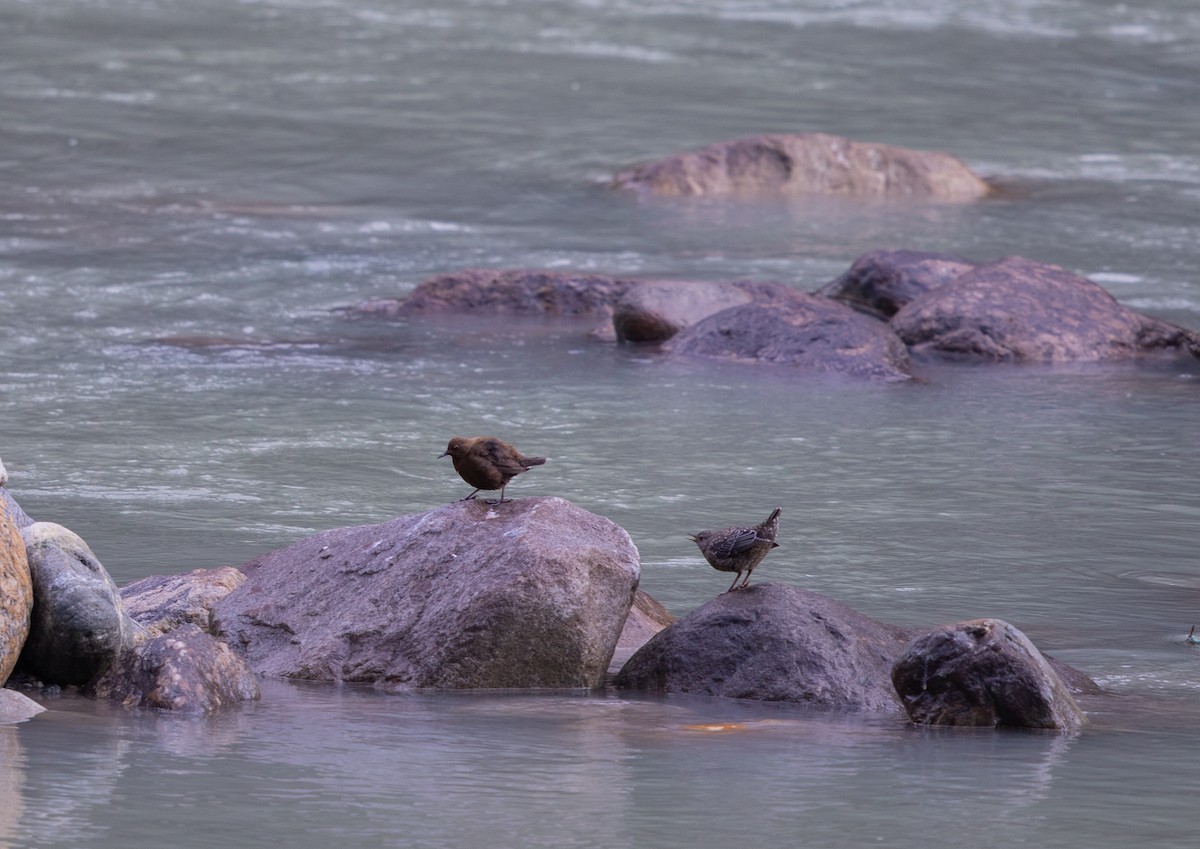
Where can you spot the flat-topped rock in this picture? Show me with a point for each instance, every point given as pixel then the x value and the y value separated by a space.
pixel 806 164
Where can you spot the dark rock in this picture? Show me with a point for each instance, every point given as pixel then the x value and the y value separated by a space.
pixel 806 164
pixel 531 593
pixel 776 643
pixel 16 593
pixel 982 673
pixel 511 292
pixel 185 671
pixel 1019 310
pixel 78 624
pixel 162 603
pixel 807 331
pixel 879 283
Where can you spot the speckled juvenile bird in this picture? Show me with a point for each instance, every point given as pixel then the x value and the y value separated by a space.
pixel 486 462
pixel 738 549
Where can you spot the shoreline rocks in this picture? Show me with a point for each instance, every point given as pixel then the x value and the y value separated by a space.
pixel 528 594
pixel 806 164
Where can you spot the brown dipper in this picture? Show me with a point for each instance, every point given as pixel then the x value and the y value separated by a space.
pixel 738 549
pixel 486 462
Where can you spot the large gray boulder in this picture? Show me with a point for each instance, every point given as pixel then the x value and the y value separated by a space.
pixel 162 603
pixel 530 292
pixel 775 643
pixel 530 593
pixel 819 334
pixel 185 672
pixel 16 593
pixel 806 164
pixel 984 672
pixel 879 283
pixel 1019 310
pixel 78 624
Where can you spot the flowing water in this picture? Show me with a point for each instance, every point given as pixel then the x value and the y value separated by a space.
pixel 190 190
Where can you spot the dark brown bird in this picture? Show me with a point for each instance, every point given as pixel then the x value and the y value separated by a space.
pixel 738 549
pixel 486 462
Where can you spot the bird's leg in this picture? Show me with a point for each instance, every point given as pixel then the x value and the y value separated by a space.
pixel 501 499
pixel 733 586
pixel 747 579
pixel 469 497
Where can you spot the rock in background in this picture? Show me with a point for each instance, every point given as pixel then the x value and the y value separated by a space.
pixel 1024 311
pixel 16 593
pixel 806 164
pixel 983 672
pixel 78 625
pixel 530 593
pixel 806 331
pixel 880 283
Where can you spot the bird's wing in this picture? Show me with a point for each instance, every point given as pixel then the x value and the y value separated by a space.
pixel 736 542
pixel 503 456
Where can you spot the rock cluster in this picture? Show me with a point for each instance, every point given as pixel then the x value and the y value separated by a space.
pixel 869 322
pixel 778 643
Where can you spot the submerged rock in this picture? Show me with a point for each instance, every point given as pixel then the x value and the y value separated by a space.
pixel 806 331
pixel 656 310
pixel 78 624
pixel 530 593
pixel 185 671
pixel 505 291
pixel 162 603
pixel 879 283
pixel 1019 310
pixel 983 672
pixel 806 164
pixel 16 593
pixel 776 643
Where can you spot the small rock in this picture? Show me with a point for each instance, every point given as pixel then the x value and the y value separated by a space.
pixel 646 618
pixel 655 310
pixel 984 672
pixel 806 164
pixel 15 513
pixel 185 671
pixel 14 708
pixel 78 624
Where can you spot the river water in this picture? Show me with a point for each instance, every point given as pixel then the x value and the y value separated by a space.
pixel 175 173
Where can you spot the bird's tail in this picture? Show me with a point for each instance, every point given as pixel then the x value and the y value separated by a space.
pixel 532 461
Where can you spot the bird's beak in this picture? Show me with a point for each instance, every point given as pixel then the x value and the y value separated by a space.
pixel 443 454
pixel 692 537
